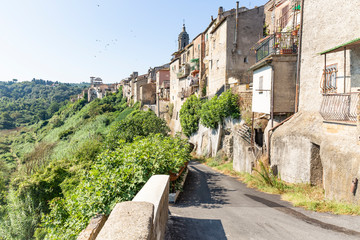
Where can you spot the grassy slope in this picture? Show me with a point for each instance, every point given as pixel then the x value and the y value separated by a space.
pixel 17 144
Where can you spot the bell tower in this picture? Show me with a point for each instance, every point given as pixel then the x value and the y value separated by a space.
pixel 183 38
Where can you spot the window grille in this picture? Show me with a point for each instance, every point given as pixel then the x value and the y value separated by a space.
pixel 329 79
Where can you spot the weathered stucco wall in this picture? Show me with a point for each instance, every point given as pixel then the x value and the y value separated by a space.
pixel 147 93
pixel 243 157
pixel 164 110
pixel 295 167
pixel 217 59
pixel 174 99
pixel 206 141
pixel 306 137
pixel 324 28
pixel 292 151
pixel 241 57
pixel 341 166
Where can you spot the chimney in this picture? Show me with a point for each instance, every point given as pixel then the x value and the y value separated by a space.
pixel 221 10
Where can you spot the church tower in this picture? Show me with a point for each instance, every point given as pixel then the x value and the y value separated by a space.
pixel 183 38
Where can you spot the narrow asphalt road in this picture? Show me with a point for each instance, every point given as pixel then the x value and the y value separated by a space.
pixel 215 206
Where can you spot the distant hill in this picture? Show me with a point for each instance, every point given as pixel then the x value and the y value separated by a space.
pixel 28 102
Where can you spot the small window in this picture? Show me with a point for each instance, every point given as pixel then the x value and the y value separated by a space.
pixel 328 84
pixel 198 46
pixel 261 84
pixel 246 60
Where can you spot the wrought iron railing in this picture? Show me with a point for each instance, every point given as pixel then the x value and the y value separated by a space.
pixel 279 43
pixel 184 71
pixel 245 133
pixel 185 93
pixel 340 107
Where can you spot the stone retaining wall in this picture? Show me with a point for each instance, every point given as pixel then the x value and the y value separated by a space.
pixel 144 217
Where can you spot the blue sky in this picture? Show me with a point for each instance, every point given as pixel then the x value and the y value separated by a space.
pixel 71 40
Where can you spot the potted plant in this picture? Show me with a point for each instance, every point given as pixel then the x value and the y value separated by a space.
pixel 278 33
pixel 286 51
pixel 277 44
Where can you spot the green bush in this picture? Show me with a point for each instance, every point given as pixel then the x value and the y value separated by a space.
pixel 64 135
pixel 214 111
pixel 137 123
pixel 211 113
pixel 190 115
pixel 116 176
pixel 56 122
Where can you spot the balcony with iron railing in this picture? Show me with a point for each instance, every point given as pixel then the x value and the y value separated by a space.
pixel 184 71
pixel 340 100
pixel 185 93
pixel 277 44
pixel 339 107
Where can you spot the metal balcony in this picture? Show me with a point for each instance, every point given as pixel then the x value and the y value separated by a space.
pixel 279 43
pixel 340 107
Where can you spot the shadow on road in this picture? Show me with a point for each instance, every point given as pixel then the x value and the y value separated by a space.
pixel 303 217
pixel 201 189
pixel 192 228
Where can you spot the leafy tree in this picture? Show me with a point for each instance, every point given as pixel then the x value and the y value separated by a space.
pixel 139 123
pixel 6 122
pixel 214 111
pixel 42 115
pixel 53 108
pixel 190 115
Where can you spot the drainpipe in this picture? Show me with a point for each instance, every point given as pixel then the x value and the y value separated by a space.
pixel 236 25
pixel 272 129
pixel 344 69
pixel 299 59
pixel 158 104
pixel 252 130
pixel 272 96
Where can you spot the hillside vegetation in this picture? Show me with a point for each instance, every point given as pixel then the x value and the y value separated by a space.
pixel 59 172
pixel 28 102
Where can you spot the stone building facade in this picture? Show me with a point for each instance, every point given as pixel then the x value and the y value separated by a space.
pixel 319 144
pixel 228 42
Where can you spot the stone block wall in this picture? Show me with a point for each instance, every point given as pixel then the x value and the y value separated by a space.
pixel 245 100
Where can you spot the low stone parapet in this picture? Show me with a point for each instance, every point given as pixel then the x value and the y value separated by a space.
pixel 156 191
pixel 144 217
pixel 129 220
